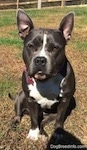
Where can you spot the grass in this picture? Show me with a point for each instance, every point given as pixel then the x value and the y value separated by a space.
pixel 11 67
pixel 81 45
pixel 10 42
pixel 6 85
pixel 7 18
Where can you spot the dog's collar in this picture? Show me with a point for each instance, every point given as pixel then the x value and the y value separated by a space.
pixel 29 80
pixel 33 82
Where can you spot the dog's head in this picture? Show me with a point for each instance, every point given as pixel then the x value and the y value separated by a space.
pixel 44 49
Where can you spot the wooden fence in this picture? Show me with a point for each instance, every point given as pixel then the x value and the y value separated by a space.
pixel 8 4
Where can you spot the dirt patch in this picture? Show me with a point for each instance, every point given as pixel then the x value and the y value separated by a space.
pixel 9 64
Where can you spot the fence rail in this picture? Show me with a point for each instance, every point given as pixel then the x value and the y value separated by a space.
pixel 8 4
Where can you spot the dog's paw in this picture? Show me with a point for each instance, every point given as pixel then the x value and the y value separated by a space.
pixel 34 134
pixel 15 122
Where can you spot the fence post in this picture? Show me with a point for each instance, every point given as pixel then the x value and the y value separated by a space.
pixel 63 3
pixel 39 4
pixel 17 4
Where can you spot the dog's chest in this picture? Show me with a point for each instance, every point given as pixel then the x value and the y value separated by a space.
pixel 45 92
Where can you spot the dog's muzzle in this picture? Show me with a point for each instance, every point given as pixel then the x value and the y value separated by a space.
pixel 40 61
pixel 40 65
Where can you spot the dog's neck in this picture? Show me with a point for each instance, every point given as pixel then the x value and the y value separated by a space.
pixel 63 69
pixel 30 80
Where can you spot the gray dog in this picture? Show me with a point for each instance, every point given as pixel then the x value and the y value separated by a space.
pixel 20 106
pixel 49 81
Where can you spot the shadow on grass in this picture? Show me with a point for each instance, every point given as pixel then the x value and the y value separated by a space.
pixel 62 139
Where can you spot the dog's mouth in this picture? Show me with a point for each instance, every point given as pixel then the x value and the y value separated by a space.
pixel 40 75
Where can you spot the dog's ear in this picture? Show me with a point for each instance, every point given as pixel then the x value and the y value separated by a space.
pixel 66 25
pixel 24 23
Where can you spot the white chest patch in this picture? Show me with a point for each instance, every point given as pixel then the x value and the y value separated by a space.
pixel 45 93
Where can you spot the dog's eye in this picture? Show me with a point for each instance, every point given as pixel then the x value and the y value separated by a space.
pixel 53 48
pixel 30 45
pixel 56 48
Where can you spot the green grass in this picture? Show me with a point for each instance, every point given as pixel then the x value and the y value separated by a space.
pixel 11 42
pixel 81 45
pixel 7 84
pixel 79 11
pixel 7 18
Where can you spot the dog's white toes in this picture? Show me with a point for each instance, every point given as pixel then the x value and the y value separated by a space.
pixel 34 134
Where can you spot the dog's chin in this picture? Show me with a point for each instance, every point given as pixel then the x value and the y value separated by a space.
pixel 40 76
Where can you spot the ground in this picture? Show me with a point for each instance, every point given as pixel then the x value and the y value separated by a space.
pixel 11 67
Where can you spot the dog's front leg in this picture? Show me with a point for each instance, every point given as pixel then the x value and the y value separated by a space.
pixel 66 95
pixel 36 119
pixel 61 112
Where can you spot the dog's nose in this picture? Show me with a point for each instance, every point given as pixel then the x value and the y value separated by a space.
pixel 40 61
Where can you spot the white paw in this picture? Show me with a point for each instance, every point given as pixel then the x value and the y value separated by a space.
pixel 33 134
